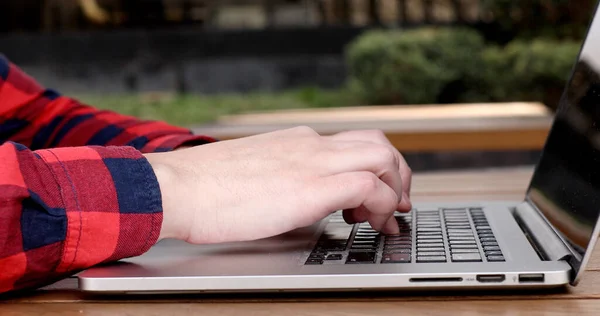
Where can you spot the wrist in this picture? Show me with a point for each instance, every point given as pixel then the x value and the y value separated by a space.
pixel 165 176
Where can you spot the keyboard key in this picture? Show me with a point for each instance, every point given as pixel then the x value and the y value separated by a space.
pixel 431 254
pixel 461 223
pixel 438 233
pixel 431 259
pixel 456 218
pixel 491 248
pixel 338 233
pixel 365 241
pixel 473 250
pixel 470 234
pixel 486 236
pixel 436 221
pixel 492 239
pixel 493 253
pixel 400 242
pixel 361 257
pixel 428 217
pixel 367 232
pixel 458 227
pixel 466 257
pixel 335 256
pixel 495 258
pixel 484 227
pixel 473 246
pixel 460 231
pixel 462 242
pixel 392 239
pixel 361 241
pixel 314 261
pixel 397 250
pixel 326 247
pixel 429 229
pixel 355 247
pixel 431 249
pixel 461 238
pixel 429 226
pixel 395 258
pixel 436 245
pixel 430 241
pixel 405 246
pixel 489 243
pixel 428 237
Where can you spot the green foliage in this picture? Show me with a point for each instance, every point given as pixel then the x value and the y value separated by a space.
pixel 411 66
pixel 527 71
pixel 191 109
pixel 455 65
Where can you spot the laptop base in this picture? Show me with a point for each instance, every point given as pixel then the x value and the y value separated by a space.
pixel 282 263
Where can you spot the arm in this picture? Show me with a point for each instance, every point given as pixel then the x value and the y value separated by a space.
pixel 66 209
pixel 41 118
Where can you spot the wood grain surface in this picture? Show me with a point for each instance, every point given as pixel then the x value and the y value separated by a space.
pixel 456 127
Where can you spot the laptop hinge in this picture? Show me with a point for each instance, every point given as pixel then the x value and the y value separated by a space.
pixel 545 239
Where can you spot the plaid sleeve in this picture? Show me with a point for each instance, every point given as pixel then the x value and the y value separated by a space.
pixel 67 209
pixel 41 118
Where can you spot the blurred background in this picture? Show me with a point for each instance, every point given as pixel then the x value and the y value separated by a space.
pixel 194 62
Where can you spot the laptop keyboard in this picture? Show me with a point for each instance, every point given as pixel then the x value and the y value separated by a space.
pixel 426 236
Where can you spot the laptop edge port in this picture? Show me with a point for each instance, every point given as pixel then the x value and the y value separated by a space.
pixel 491 278
pixel 531 278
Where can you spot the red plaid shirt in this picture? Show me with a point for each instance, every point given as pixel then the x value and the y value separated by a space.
pixel 75 190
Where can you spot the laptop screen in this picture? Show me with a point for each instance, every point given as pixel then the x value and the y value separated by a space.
pixel 566 183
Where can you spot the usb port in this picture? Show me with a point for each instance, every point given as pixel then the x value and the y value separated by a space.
pixel 491 278
pixel 531 278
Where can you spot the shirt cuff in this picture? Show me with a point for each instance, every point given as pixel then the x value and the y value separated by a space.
pixel 112 203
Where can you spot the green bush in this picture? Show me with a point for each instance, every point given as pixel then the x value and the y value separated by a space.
pixel 526 71
pixel 412 66
pixel 455 65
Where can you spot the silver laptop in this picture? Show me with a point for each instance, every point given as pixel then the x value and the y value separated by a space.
pixel 542 241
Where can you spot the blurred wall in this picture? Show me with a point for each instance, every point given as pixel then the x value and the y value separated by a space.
pixel 182 60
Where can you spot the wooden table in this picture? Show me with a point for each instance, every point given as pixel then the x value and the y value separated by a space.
pixel 410 128
pixel 504 184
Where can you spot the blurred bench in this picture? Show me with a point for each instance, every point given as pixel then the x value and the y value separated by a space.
pixel 422 128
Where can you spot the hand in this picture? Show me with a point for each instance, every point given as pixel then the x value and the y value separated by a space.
pixel 265 185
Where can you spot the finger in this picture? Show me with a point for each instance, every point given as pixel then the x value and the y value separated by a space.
pixel 362 156
pixel 355 190
pixel 357 215
pixel 379 137
pixel 391 226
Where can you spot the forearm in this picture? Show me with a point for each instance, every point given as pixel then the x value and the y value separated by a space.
pixel 64 210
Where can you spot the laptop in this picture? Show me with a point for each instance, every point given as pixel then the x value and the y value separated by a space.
pixel 544 240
